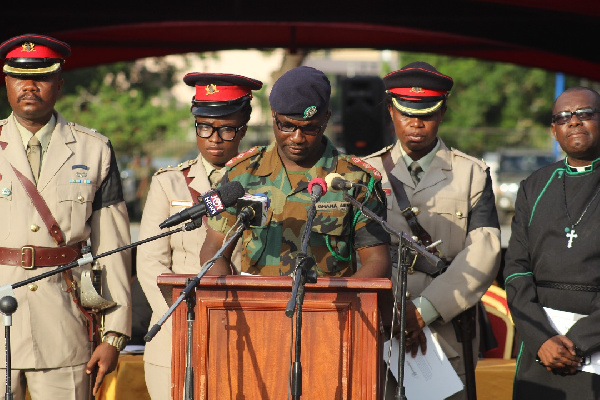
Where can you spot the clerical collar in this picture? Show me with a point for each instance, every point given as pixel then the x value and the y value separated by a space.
pixel 576 170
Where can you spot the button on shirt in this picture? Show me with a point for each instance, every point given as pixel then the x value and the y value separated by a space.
pixel 424 306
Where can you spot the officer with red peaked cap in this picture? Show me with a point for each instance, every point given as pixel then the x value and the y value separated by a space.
pixel 448 194
pixel 60 188
pixel 221 107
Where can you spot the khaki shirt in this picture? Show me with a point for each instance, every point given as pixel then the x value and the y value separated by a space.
pixel 178 253
pixel 449 191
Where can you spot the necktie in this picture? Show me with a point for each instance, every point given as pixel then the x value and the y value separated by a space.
pixel 34 155
pixel 215 177
pixel 415 169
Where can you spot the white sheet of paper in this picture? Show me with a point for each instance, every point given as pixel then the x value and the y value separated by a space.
pixel 562 321
pixel 426 377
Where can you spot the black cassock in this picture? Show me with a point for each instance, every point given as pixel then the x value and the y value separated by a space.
pixel 550 263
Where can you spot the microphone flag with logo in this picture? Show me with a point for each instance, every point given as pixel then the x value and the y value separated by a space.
pixel 212 203
pixel 254 207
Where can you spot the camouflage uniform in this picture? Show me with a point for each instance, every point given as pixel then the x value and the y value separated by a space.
pixel 271 249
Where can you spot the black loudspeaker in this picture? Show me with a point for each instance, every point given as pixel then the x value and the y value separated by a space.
pixel 365 120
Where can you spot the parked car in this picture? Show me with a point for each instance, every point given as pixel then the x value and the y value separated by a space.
pixel 512 166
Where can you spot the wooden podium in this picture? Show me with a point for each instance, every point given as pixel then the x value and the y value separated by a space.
pixel 243 345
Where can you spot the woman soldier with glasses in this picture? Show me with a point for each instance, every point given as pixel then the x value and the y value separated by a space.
pixel 221 109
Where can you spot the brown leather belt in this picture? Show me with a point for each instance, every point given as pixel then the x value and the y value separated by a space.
pixel 29 257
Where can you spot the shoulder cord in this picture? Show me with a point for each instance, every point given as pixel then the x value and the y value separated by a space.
pixel 354 220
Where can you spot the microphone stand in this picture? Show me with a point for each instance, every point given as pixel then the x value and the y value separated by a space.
pixel 407 244
pixel 8 301
pixel 188 294
pixel 303 273
pixel 8 305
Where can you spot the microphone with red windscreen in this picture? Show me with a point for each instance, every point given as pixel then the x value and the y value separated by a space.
pixel 317 187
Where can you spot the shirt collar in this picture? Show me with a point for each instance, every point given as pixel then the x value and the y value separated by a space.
pixel 271 162
pixel 424 161
pixel 44 134
pixel 213 173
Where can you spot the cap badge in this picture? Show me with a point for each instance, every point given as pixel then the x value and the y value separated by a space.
pixel 28 47
pixel 310 112
pixel 417 90
pixel 211 89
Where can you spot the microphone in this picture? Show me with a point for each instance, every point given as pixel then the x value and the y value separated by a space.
pixel 252 208
pixel 336 182
pixel 213 202
pixel 317 188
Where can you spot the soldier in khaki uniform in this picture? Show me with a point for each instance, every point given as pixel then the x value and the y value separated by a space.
pixel 221 108
pixel 74 170
pixel 453 193
pixel 300 108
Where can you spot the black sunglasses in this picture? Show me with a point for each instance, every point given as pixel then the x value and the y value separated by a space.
pixel 583 114
pixel 289 128
pixel 226 133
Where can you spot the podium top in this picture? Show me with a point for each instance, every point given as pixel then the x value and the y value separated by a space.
pixel 167 282
pixel 246 281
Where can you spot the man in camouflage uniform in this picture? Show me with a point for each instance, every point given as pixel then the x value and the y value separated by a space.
pixel 300 107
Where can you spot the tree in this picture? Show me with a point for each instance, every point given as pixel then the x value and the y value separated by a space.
pixel 130 103
pixel 494 104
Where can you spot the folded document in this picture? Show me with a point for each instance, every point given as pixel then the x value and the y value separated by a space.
pixel 562 321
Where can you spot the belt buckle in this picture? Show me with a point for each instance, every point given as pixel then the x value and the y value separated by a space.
pixel 23 249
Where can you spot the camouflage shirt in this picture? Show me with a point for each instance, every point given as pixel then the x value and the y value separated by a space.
pixel 271 249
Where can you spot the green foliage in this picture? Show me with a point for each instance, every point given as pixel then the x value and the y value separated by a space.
pixel 494 104
pixel 130 103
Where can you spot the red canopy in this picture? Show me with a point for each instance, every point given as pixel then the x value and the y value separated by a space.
pixel 552 34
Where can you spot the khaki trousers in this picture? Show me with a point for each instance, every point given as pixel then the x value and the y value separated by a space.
pixel 67 383
pixel 158 381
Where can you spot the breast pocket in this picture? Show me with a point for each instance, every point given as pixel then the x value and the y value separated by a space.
pixel 75 206
pixel 452 226
pixel 5 207
pixel 331 232
pixel 256 243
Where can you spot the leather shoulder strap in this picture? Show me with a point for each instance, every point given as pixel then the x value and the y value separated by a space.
pixel 42 208
pixel 188 180
pixel 405 207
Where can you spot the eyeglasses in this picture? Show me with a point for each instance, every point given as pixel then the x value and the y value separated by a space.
pixel 226 133
pixel 289 128
pixel 583 114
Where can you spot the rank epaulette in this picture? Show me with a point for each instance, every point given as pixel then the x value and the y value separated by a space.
pixel 380 152
pixel 179 167
pixel 477 161
pixel 243 156
pixel 359 162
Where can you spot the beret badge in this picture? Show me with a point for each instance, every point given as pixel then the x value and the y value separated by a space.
pixel 310 112
pixel 211 89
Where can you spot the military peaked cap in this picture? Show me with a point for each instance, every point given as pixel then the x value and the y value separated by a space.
pixel 218 95
pixel 33 54
pixel 418 88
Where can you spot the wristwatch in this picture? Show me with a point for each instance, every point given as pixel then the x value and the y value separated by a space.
pixel 117 341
